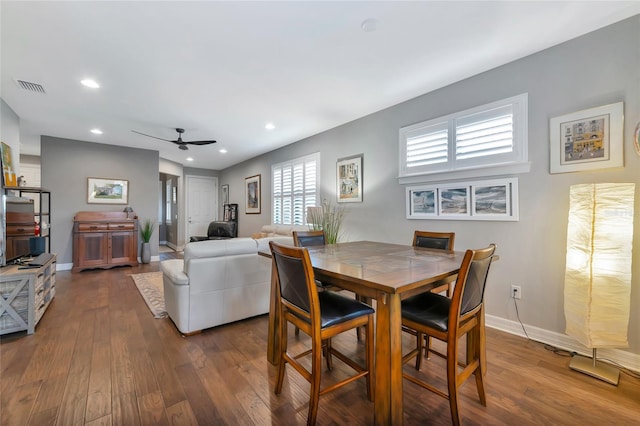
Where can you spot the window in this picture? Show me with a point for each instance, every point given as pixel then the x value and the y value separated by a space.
pixel 482 140
pixel 294 188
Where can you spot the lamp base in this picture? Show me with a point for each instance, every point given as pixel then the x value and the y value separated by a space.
pixel 595 369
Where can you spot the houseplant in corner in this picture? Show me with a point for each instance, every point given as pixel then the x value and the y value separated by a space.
pixel 146 231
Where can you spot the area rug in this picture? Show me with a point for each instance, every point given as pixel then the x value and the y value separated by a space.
pixel 151 288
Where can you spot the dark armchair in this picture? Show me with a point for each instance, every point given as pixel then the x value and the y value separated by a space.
pixel 218 230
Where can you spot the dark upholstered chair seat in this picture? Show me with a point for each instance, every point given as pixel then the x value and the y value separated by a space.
pixel 336 309
pixel 429 309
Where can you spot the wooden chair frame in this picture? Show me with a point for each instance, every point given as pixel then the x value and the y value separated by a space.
pixel 458 325
pixel 451 237
pixel 309 323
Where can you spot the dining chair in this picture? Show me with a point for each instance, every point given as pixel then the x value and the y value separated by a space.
pixel 439 241
pixel 317 238
pixel 320 314
pixel 448 319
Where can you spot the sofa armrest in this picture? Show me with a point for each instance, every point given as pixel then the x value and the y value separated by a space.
pixel 173 269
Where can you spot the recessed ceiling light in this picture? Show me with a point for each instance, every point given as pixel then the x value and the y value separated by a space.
pixel 222 151
pixel 189 159
pixel 270 126
pixel 90 83
pixel 96 131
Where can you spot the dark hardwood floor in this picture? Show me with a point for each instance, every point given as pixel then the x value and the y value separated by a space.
pixel 98 357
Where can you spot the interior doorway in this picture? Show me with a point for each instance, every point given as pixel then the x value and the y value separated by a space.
pixel 201 204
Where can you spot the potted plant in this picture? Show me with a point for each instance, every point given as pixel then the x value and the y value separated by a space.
pixel 146 231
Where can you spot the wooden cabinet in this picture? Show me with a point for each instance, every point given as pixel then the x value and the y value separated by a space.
pixel 104 240
pixel 25 294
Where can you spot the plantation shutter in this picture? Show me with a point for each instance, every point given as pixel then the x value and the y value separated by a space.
pixel 294 189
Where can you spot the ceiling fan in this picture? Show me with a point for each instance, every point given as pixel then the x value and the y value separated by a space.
pixel 181 144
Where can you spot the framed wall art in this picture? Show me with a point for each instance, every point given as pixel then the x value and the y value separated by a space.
pixel 495 199
pixel 421 202
pixel 587 140
pixel 453 201
pixel 252 194
pixel 636 139
pixel 225 194
pixel 107 191
pixel 349 179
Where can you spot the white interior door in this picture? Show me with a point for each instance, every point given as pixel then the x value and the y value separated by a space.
pixel 202 204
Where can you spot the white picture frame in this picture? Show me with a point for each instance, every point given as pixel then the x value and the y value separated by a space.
pixel 490 200
pixel 587 140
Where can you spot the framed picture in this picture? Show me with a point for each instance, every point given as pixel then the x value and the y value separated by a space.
pixel 636 138
pixel 225 194
pixel 587 140
pixel 253 195
pixel 453 201
pixel 107 191
pixel 349 179
pixel 8 172
pixel 495 200
pixel 421 202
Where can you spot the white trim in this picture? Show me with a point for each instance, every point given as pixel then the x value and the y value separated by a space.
pixel 64 266
pixel 498 170
pixel 563 341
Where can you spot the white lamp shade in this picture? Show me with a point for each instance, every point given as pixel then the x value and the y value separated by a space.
pixel 597 285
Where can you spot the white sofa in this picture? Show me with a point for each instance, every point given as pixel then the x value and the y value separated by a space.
pixel 221 281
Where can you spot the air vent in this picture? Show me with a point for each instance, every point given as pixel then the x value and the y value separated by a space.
pixel 32 87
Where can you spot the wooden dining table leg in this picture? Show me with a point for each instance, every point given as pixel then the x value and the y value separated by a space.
pixel 388 361
pixel 273 342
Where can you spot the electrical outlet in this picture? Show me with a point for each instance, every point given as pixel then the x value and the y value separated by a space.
pixel 516 292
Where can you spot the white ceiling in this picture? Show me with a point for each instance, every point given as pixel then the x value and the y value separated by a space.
pixel 222 70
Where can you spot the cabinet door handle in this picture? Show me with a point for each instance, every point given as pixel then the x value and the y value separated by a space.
pixel 20 229
pixel 93 227
pixel 120 226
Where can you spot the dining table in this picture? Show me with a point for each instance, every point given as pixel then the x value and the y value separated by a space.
pixel 386 273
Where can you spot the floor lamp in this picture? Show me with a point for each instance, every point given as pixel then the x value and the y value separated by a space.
pixel 597 285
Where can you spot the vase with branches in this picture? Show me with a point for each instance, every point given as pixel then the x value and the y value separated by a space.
pixel 327 218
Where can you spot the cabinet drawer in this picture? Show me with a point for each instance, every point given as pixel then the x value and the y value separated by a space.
pixel 13 230
pixel 121 226
pixel 92 227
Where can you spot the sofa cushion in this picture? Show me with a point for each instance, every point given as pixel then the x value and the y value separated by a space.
pixel 263 243
pixel 216 248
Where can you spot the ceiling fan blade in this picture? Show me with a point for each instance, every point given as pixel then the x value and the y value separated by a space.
pixel 155 137
pixel 200 142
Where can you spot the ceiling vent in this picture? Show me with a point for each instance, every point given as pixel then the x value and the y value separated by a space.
pixel 32 87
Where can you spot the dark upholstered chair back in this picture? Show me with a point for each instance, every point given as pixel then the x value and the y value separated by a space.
pixel 434 240
pixel 308 238
pixel 292 279
pixel 222 229
pixel 475 285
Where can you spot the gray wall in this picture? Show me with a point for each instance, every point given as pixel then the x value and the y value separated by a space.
pixel 596 69
pixel 66 165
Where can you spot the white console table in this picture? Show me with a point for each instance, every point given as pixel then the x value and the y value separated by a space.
pixel 25 294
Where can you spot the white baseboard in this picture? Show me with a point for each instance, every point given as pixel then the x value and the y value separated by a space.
pixel 64 266
pixel 563 341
